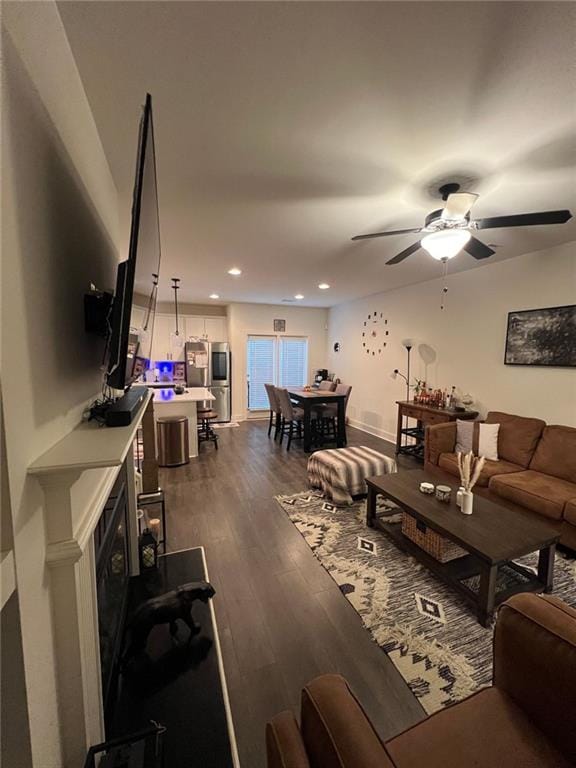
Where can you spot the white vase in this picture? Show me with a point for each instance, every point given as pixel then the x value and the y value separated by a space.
pixel 467 502
pixel 459 497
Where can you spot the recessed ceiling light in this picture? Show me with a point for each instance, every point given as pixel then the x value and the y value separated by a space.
pixel 298 296
pixel 214 296
pixel 235 271
pixel 323 286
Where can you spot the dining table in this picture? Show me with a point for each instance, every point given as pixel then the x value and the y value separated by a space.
pixel 307 399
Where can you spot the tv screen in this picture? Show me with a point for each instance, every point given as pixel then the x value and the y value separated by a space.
pixel 141 269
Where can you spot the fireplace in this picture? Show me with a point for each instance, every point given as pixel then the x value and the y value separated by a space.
pixel 112 573
pixel 91 534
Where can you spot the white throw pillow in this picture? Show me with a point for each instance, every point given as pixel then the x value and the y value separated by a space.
pixel 488 441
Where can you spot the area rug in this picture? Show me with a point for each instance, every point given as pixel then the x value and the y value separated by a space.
pixel 429 633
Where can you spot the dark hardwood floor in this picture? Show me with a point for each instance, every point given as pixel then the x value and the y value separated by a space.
pixel 282 620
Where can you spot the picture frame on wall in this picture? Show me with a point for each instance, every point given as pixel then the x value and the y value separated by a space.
pixel 279 326
pixel 542 337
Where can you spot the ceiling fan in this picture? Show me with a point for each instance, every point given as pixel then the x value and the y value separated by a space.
pixel 447 230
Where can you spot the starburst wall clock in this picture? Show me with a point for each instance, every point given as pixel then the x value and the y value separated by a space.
pixel 374 334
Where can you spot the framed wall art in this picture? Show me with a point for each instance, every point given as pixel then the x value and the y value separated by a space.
pixel 542 337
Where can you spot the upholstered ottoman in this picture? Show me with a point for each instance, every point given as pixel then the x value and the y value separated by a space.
pixel 341 472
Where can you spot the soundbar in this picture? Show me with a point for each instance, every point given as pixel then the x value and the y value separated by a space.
pixel 121 412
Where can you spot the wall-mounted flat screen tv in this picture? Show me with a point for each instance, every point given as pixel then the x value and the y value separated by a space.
pixel 142 267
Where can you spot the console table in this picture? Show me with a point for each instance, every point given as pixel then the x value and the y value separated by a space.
pixel 425 415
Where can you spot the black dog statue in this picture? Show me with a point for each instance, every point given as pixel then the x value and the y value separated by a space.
pixel 166 609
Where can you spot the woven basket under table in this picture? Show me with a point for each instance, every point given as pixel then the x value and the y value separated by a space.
pixel 430 541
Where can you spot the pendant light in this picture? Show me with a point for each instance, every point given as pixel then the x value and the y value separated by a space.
pixel 175 338
pixel 151 309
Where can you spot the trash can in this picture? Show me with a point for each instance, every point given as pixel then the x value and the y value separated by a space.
pixel 173 448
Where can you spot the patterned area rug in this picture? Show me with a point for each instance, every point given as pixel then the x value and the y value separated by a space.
pixel 430 634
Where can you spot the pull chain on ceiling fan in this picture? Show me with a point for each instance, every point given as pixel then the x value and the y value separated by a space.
pixel 448 230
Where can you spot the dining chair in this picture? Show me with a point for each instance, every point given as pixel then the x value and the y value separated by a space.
pixel 292 416
pixel 319 410
pixel 275 413
pixel 329 413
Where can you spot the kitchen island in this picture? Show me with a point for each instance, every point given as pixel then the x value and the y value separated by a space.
pixel 168 403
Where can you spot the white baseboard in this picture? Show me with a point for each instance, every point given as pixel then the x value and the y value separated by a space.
pixel 390 437
pixel 255 416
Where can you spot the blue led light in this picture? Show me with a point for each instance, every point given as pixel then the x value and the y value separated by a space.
pixel 165 366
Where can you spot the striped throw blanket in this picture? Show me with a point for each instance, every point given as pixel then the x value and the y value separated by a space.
pixel 340 472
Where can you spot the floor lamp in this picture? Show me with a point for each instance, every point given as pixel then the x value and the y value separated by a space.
pixel 408 344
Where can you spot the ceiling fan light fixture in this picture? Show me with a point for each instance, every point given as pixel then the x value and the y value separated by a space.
pixel 445 243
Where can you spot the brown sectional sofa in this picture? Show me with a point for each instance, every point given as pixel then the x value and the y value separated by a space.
pixel 536 467
pixel 525 720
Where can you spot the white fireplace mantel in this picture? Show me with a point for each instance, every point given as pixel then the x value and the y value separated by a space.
pixel 77 475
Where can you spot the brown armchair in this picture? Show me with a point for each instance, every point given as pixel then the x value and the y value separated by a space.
pixel 527 719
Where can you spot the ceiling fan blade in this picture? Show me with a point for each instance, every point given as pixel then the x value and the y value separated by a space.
pixel 385 234
pixel 478 249
pixel 524 219
pixel 404 254
pixel 457 205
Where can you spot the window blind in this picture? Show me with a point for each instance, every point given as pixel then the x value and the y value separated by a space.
pixel 260 365
pixel 282 361
pixel 293 362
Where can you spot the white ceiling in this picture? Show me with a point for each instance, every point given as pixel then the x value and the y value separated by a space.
pixel 282 129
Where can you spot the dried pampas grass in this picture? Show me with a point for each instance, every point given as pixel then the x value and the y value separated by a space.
pixel 470 467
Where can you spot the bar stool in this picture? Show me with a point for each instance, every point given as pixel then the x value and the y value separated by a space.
pixel 205 430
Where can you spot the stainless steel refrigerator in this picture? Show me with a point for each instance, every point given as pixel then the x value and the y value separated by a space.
pixel 208 364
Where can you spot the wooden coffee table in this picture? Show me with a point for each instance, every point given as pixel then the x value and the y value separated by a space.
pixel 493 536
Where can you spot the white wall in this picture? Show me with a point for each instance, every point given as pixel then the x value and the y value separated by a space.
pixel 247 319
pixel 468 339
pixel 59 233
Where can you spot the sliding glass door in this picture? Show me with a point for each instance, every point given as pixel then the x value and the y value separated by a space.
pixel 279 360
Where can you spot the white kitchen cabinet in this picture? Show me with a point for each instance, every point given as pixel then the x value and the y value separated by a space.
pixel 195 326
pixel 163 347
pixel 217 328
pixel 137 317
pixel 211 328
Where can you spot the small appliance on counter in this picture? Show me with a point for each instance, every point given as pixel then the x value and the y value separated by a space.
pixel 320 375
pixel 179 373
pixel 140 367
